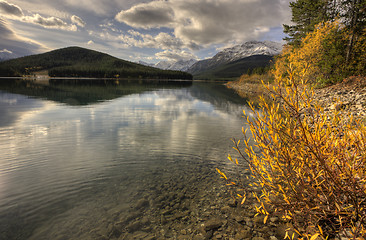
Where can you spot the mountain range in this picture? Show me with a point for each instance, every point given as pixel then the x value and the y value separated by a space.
pixel 180 65
pixel 234 61
pixel 79 62
pixel 235 53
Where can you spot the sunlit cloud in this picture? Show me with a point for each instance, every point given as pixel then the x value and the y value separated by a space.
pixel 208 22
pixel 148 15
pixel 6 51
pixel 155 29
pixel 13 11
pixel 15 45
pixel 50 22
pixel 10 9
pixel 175 55
pixel 78 21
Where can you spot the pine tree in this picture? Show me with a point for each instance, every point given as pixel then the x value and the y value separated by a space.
pixel 306 14
pixel 354 17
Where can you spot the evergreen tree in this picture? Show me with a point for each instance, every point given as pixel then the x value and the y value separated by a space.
pixel 354 17
pixel 305 15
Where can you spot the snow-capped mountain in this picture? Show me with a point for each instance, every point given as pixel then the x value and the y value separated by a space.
pixel 237 52
pixel 248 49
pixel 266 48
pixel 181 65
pixel 164 64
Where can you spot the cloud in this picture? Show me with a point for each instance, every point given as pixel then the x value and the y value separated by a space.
pixel 10 9
pixel 209 21
pixel 147 15
pixel 175 55
pixel 50 22
pixel 78 21
pixel 162 40
pixel 6 51
pixel 13 11
pixel 17 46
pixel 134 38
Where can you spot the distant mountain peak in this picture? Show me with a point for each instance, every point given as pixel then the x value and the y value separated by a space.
pixel 180 65
pixel 240 51
pixel 248 49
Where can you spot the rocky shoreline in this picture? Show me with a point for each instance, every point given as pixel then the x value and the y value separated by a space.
pixel 194 207
pixel 348 95
pixel 187 204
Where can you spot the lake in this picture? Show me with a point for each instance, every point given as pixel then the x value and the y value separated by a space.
pixel 111 160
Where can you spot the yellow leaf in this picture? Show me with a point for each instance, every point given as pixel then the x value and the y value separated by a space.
pixel 265 219
pixel 314 236
pixel 242 201
pixel 320 229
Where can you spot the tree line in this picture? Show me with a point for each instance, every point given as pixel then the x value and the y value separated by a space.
pixel 80 62
pixel 342 48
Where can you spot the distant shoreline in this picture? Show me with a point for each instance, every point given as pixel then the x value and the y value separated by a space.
pixel 89 78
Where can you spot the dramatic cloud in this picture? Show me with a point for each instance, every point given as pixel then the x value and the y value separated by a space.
pixel 162 40
pixel 134 38
pixel 78 21
pixel 10 9
pixel 156 29
pixel 15 12
pixel 16 46
pixel 50 22
pixel 147 15
pixel 209 21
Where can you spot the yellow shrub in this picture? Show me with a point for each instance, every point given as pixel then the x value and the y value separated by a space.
pixel 320 58
pixel 311 167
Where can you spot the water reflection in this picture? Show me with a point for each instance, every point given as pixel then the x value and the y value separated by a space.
pixel 84 92
pixel 54 156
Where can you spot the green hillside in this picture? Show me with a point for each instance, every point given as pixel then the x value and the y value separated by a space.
pixel 81 62
pixel 235 69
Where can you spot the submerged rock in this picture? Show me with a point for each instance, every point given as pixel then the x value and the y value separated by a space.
pixel 143 203
pixel 212 224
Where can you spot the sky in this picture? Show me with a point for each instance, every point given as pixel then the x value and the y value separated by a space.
pixel 139 30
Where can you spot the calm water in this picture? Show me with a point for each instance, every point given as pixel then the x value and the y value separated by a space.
pixel 74 152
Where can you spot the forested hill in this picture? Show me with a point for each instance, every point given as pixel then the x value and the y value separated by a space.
pixel 81 62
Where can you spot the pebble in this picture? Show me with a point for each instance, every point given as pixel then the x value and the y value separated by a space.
pixel 348 96
pixel 212 224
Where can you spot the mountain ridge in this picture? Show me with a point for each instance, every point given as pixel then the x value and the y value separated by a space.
pixel 241 51
pixel 226 56
pixel 180 65
pixel 82 62
pixel 233 70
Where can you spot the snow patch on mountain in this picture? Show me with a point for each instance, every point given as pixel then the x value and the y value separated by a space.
pixel 227 55
pixel 181 65
pixel 248 49
pixel 237 52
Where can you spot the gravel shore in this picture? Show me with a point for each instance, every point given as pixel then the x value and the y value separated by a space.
pixel 348 95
